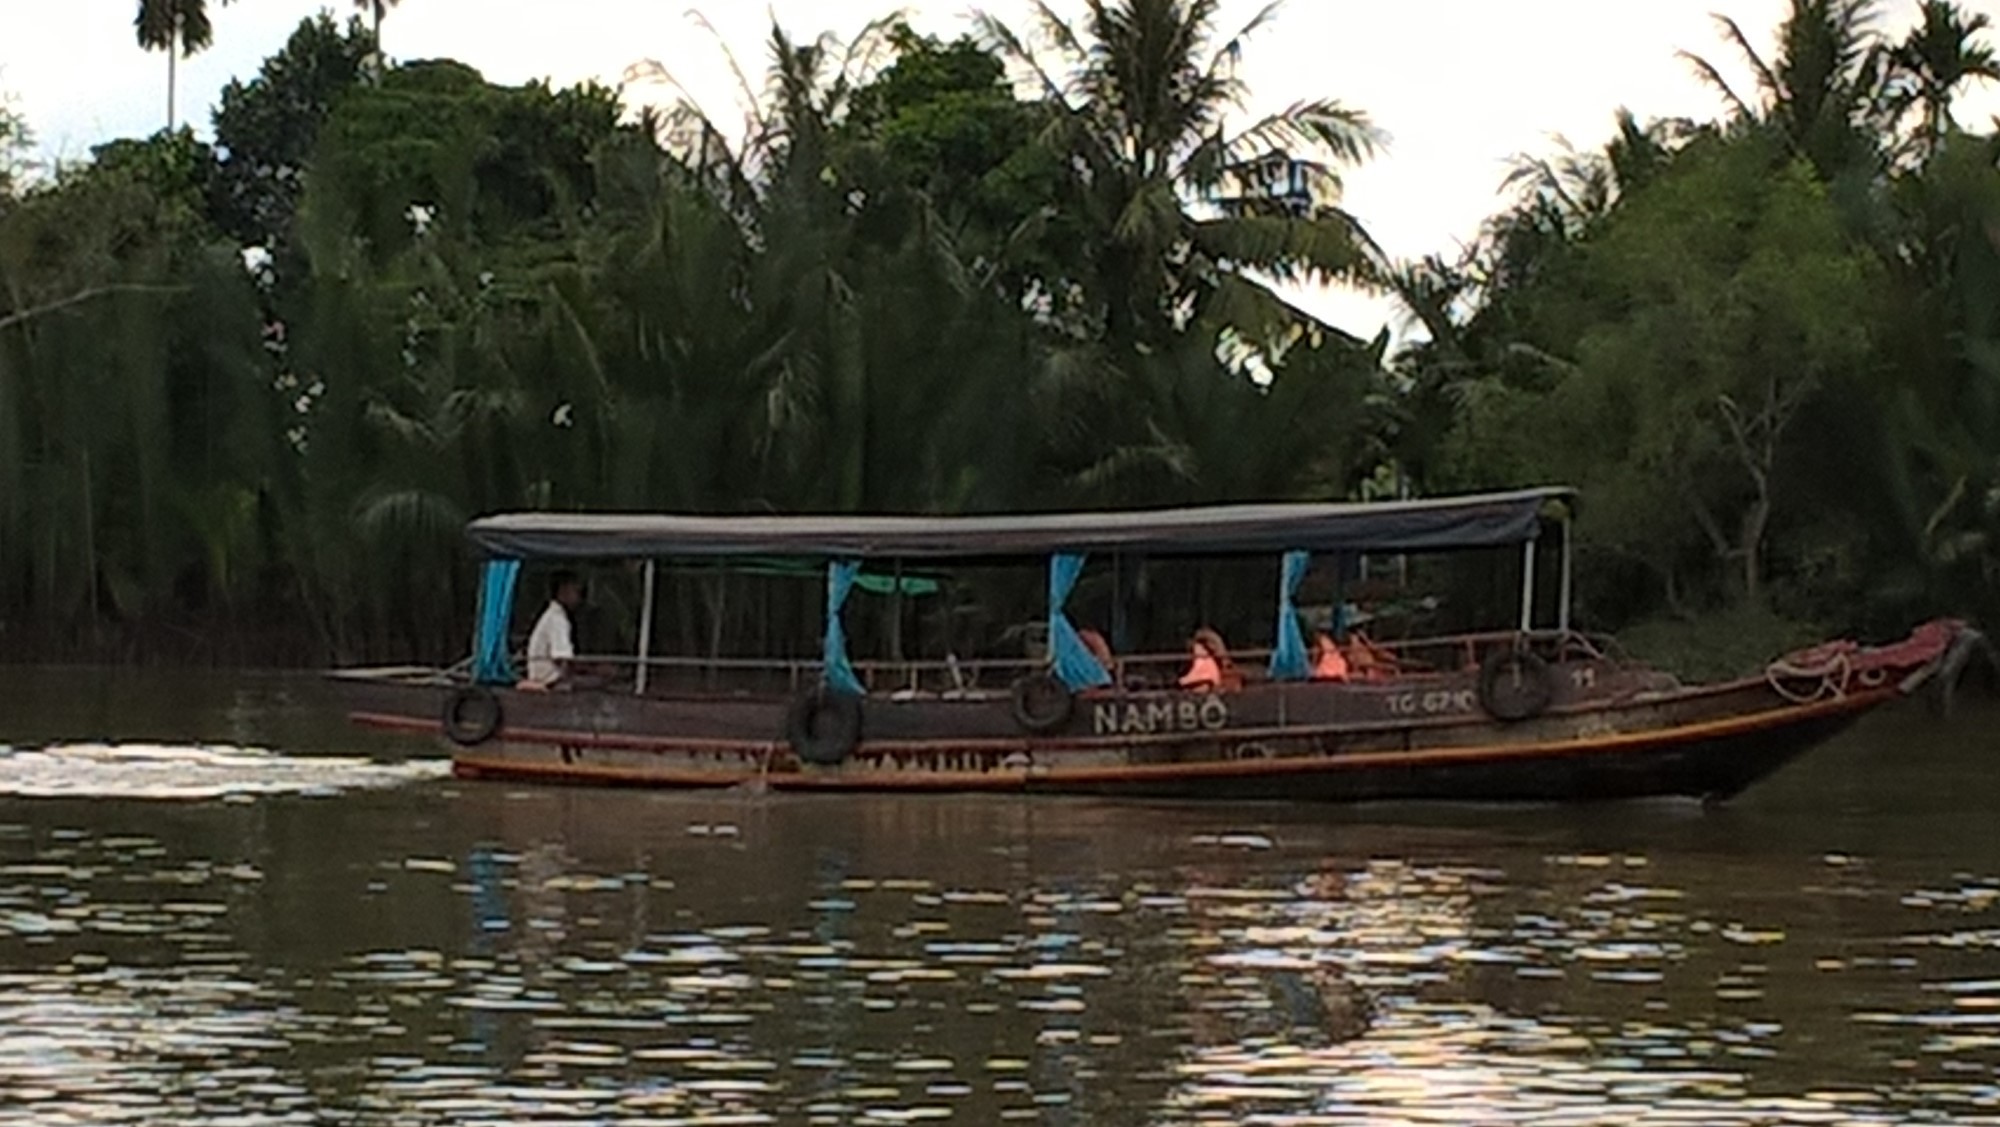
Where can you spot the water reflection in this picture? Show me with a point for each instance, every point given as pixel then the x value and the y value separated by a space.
pixel 351 940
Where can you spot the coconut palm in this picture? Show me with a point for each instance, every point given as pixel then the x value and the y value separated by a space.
pixel 178 27
pixel 1823 93
pixel 1199 216
pixel 1938 57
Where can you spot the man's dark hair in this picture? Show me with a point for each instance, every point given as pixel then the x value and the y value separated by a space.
pixel 562 579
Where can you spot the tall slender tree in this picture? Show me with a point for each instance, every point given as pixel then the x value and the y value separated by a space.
pixel 178 27
pixel 375 10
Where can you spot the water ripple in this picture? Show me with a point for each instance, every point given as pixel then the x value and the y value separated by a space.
pixel 150 771
pixel 378 962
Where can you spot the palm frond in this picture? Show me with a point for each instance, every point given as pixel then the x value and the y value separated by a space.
pixel 408 514
pixel 385 417
pixel 745 93
pixel 1324 247
pixel 579 336
pixel 1152 217
pixel 1713 77
pixel 1059 31
pixel 1230 54
pixel 1323 124
pixel 1261 319
pixel 1159 454
pixel 1767 78
pixel 1003 40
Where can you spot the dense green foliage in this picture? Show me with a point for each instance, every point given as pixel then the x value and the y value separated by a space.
pixel 249 392
pixel 1765 346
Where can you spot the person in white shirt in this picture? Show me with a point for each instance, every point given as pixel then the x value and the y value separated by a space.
pixel 552 647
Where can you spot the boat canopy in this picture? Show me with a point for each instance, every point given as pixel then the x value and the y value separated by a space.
pixel 1482 520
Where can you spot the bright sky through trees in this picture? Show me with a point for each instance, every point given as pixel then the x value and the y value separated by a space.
pixel 1460 85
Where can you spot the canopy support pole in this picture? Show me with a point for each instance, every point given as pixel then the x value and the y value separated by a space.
pixel 1527 586
pixel 646 627
pixel 896 616
pixel 1119 642
pixel 1568 554
pixel 1337 626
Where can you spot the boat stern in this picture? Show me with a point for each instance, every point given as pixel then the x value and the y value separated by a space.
pixel 407 693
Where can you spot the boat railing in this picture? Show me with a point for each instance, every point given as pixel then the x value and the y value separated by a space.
pixel 956 677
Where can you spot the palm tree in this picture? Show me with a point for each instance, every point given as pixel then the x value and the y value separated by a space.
pixel 376 9
pixel 176 27
pixel 1934 60
pixel 1824 93
pixel 1198 218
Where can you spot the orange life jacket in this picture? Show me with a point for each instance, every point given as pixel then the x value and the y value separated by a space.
pixel 1329 665
pixel 1211 667
pixel 1203 672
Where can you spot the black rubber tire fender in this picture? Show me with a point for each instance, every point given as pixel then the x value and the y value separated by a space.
pixel 1042 703
pixel 472 715
pixel 1516 685
pixel 824 727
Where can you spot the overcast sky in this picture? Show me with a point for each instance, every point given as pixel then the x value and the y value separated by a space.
pixel 1459 85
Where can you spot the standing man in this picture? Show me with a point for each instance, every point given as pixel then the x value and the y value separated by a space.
pixel 552 647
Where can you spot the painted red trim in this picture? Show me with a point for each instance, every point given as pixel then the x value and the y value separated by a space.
pixel 469 764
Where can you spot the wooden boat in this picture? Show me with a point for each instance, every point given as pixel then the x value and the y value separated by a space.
pixel 1536 712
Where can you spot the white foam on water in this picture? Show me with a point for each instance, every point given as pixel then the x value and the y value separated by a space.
pixel 161 771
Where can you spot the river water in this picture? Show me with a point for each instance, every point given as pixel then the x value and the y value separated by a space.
pixel 219 906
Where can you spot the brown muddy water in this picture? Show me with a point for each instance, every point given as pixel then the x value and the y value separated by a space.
pixel 220 907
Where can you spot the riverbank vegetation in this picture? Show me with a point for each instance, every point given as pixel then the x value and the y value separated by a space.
pixel 251 389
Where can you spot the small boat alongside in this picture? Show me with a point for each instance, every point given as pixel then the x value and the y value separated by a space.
pixel 1535 712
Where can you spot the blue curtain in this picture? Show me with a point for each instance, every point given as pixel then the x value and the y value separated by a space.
pixel 840 577
pixel 490 663
pixel 1074 664
pixel 1288 659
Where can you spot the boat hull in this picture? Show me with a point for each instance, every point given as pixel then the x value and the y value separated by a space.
pixel 1609 731
pixel 1712 761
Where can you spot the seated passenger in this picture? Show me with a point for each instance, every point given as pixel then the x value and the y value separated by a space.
pixel 1098 647
pixel 552 664
pixel 1328 662
pixel 1369 662
pixel 1210 667
pixel 551 648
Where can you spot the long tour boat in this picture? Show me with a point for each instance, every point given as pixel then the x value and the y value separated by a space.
pixel 1534 712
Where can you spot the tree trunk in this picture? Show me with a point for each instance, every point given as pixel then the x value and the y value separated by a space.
pixel 1705 519
pixel 173 49
pixel 1755 521
pixel 89 547
pixel 1671 582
